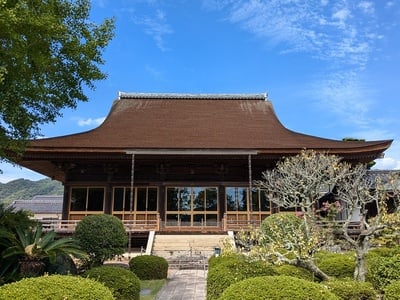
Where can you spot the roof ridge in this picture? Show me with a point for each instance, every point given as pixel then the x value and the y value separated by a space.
pixel 162 96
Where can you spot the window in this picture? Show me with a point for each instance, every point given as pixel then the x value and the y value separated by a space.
pixel 192 206
pixel 87 199
pixel 122 199
pixel 260 201
pixel 143 199
pixel 237 200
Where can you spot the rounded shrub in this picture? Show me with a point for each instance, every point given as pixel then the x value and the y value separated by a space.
pixel 232 269
pixel 349 289
pixel 56 287
pixel 149 267
pixel 280 225
pixel 290 270
pixel 392 291
pixel 224 259
pixel 277 287
pixel 102 237
pixel 384 270
pixel 124 284
pixel 339 265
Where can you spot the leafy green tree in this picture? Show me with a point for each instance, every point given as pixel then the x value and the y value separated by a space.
pixel 102 237
pixel 30 249
pixel 50 51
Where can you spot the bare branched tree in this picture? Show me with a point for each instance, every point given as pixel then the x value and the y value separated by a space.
pixel 299 182
pixel 357 192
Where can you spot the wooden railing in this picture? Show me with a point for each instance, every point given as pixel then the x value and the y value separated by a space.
pixel 236 225
pixel 68 226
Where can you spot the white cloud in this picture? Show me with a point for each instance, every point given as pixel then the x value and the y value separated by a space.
pixel 344 94
pixel 328 30
pixel 367 7
pixel 387 163
pixel 157 27
pixel 342 15
pixel 90 122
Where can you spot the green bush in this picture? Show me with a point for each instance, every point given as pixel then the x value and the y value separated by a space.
pixel 224 259
pixel 290 270
pixel 102 237
pixel 229 270
pixel 384 270
pixel 149 267
pixel 382 252
pixel 55 287
pixel 392 291
pixel 348 289
pixel 277 287
pixel 339 265
pixel 124 284
pixel 282 226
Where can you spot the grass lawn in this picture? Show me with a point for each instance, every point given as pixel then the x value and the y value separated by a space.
pixel 150 288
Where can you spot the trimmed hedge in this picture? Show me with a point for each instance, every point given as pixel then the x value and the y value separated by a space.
pixel 348 289
pixel 228 270
pixel 149 267
pixel 339 265
pixel 55 287
pixel 124 284
pixel 290 270
pixel 277 287
pixel 224 259
pixel 384 270
pixel 392 291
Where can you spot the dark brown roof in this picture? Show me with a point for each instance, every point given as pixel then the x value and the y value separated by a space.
pixel 190 122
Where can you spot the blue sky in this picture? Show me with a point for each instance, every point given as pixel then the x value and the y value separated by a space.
pixel 330 68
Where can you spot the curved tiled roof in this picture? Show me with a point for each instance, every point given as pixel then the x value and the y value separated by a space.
pixel 189 121
pixel 41 204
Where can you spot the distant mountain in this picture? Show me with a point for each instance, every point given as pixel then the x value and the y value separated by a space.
pixel 24 189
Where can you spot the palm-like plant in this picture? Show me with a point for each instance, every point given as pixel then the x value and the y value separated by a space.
pixel 31 248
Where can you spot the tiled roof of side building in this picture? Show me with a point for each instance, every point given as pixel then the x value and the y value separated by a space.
pixel 42 204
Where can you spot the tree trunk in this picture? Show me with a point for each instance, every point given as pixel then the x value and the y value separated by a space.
pixel 311 266
pixel 31 267
pixel 360 269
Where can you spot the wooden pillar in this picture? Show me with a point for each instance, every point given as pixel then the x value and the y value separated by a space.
pixel 250 185
pixel 161 201
pixel 65 207
pixel 221 201
pixel 108 199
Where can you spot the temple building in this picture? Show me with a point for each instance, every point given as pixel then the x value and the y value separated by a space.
pixel 179 162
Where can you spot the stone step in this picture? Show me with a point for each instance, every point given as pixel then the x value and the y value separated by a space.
pixel 187 242
pixel 179 245
pixel 188 263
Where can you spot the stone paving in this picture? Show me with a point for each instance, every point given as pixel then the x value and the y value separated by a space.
pixel 184 285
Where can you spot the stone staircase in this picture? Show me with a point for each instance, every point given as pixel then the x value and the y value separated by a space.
pixel 188 263
pixel 179 246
